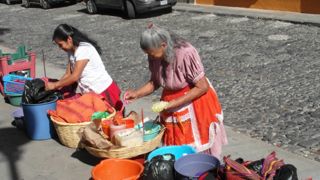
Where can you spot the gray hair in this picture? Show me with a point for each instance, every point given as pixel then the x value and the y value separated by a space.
pixel 153 37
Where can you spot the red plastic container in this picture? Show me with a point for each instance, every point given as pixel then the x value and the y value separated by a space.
pixel 106 127
pixel 117 169
pixel 129 123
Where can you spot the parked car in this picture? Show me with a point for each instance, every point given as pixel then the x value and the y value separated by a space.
pixel 45 4
pixel 10 1
pixel 131 7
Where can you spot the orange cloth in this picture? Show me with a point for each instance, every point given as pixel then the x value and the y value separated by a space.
pixel 205 109
pixel 80 109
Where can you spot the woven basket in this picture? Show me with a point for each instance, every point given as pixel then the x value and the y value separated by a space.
pixel 68 132
pixel 127 152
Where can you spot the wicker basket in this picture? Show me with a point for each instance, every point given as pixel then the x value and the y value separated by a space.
pixel 127 152
pixel 68 132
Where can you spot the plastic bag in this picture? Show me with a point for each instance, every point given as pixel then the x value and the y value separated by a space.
pixel 93 137
pixel 256 165
pixel 34 92
pixel 99 115
pixel 286 172
pixel 159 106
pixel 160 167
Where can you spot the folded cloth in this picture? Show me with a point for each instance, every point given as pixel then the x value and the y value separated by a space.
pixel 79 109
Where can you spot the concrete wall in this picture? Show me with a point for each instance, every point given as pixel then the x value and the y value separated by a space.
pixel 304 6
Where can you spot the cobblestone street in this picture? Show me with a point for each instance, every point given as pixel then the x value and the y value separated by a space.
pixel 266 72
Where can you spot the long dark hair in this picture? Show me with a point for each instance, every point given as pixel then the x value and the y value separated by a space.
pixel 64 30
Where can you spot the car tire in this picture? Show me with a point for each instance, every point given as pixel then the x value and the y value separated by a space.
pixel 8 2
pixel 131 14
pixel 45 4
pixel 91 7
pixel 26 3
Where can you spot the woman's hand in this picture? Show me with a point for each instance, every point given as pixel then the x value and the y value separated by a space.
pixel 145 90
pixel 131 95
pixel 50 86
pixel 171 105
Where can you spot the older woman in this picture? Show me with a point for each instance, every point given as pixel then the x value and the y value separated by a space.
pixel 193 115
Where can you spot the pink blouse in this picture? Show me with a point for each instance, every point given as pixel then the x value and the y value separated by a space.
pixel 186 69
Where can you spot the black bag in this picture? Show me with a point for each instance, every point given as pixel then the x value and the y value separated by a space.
pixel 286 172
pixel 160 167
pixel 256 166
pixel 34 92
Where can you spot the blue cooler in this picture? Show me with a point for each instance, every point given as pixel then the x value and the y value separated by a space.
pixel 37 121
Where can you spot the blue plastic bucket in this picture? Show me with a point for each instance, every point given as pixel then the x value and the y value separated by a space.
pixel 192 166
pixel 36 120
pixel 177 151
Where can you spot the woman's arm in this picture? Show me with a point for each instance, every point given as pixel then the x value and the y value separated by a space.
pixel 69 79
pixel 200 88
pixel 67 73
pixel 144 90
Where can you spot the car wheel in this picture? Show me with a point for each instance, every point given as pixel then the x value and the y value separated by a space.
pixel 91 7
pixel 8 2
pixel 45 4
pixel 130 10
pixel 26 3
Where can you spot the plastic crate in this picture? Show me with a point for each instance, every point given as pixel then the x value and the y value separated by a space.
pixel 19 55
pixel 21 60
pixel 14 83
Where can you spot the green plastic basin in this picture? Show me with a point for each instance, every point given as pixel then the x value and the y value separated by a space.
pixel 15 99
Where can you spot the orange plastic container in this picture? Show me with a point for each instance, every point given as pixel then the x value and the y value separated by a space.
pixel 117 169
pixel 106 127
pixel 129 123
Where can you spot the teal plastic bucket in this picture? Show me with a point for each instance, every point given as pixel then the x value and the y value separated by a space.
pixel 14 99
pixel 36 120
pixel 177 151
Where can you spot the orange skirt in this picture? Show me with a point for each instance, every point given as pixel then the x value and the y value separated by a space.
pixel 194 122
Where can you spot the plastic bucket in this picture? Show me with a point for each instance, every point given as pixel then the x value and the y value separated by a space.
pixel 14 99
pixel 192 166
pixel 117 169
pixel 36 120
pixel 177 151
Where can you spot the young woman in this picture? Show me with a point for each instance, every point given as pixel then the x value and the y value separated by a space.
pixel 85 66
pixel 193 115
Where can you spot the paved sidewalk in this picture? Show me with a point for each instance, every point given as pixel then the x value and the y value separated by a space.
pixel 254 13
